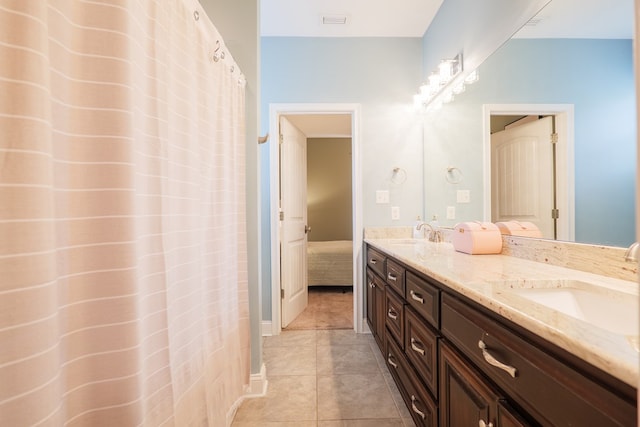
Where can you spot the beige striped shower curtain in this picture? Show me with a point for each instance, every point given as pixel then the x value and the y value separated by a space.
pixel 123 282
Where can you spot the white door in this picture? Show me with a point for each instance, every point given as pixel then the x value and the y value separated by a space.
pixel 293 227
pixel 522 178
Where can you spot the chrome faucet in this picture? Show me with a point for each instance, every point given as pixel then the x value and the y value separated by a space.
pixel 631 255
pixel 434 235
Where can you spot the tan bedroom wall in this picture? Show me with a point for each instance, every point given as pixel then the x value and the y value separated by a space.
pixel 329 189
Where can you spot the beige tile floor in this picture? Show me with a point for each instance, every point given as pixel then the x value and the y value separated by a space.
pixel 325 378
pixel 330 307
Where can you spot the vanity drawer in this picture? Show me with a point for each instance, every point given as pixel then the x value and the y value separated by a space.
pixel 394 315
pixel 375 260
pixel 421 348
pixel 548 389
pixel 395 276
pixel 424 298
pixel 421 405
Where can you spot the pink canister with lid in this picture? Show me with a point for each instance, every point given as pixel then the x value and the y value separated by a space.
pixel 476 238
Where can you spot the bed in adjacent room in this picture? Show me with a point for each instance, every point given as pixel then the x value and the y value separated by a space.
pixel 330 263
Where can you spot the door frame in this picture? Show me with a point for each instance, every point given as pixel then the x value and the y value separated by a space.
pixel 565 182
pixel 275 111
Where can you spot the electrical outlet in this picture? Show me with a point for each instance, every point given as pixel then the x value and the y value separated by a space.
pixel 463 196
pixel 395 213
pixel 382 196
pixel 451 212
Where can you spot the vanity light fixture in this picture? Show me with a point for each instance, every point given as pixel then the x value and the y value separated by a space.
pixel 441 85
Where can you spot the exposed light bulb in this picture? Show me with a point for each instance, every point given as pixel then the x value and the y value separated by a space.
pixel 445 70
pixel 459 88
pixel 434 81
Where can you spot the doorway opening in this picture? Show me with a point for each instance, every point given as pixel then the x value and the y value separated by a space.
pixel 508 160
pixel 311 120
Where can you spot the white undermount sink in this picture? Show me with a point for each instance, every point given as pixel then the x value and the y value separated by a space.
pixel 607 309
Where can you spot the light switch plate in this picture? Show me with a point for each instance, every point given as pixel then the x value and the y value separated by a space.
pixel 382 196
pixel 395 213
pixel 451 212
pixel 463 196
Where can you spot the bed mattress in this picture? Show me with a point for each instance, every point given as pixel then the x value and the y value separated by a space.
pixel 330 263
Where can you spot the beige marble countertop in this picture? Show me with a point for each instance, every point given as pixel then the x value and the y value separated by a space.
pixel 490 280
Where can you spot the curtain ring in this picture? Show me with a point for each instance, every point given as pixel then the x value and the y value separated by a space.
pixel 216 55
pixel 196 15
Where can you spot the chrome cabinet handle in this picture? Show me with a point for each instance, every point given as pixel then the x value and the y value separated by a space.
pixel 495 362
pixel 373 261
pixel 372 285
pixel 391 277
pixel 416 297
pixel 481 423
pixel 415 409
pixel 392 314
pixel 391 362
pixel 415 346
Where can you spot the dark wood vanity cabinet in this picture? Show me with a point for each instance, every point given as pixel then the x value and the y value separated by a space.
pixel 458 364
pixel 467 399
pixel 375 306
pixel 548 389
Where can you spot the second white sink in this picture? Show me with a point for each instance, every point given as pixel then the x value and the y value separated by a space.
pixel 599 306
pixel 607 309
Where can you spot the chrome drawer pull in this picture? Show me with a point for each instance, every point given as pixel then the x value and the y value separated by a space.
pixel 481 423
pixel 416 297
pixel 392 314
pixel 415 347
pixel 415 409
pixel 372 285
pixel 391 362
pixel 391 277
pixel 494 362
pixel 373 261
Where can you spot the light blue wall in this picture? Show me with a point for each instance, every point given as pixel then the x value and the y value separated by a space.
pixel 474 28
pixel 381 74
pixel 594 75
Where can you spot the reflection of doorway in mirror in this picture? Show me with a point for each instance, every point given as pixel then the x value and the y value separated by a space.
pixel 522 171
pixel 563 160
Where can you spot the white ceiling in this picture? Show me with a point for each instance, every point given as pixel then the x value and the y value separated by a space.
pixel 365 18
pixel 411 18
pixel 582 19
pixel 323 125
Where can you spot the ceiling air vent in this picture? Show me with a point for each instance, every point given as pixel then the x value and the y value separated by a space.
pixel 334 19
pixel 535 21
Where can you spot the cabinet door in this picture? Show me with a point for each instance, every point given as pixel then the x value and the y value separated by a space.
pixel 375 307
pixel 371 284
pixel 465 398
pixel 508 417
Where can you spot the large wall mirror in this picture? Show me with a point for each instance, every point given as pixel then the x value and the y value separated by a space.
pixel 573 63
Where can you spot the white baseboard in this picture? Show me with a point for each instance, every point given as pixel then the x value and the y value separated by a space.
pixel 257 387
pixel 267 328
pixel 258 383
